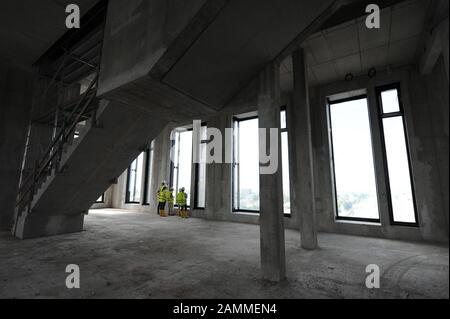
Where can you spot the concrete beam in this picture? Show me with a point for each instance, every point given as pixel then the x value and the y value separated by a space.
pixel 435 44
pixel 299 125
pixel 271 189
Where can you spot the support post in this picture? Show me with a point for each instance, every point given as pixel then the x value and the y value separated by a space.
pixel 271 189
pixel 301 152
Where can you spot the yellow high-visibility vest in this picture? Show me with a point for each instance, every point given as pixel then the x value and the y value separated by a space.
pixel 181 198
pixel 169 196
pixel 162 194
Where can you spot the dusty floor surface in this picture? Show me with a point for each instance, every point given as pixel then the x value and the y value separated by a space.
pixel 137 255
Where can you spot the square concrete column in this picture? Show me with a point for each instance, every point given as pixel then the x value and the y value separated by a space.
pixel 444 39
pixel 271 191
pixel 299 125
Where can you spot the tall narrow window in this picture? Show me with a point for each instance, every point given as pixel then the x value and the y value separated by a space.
pixel 246 164
pixel 352 157
pixel 149 173
pixel 182 160
pixel 200 171
pixel 285 163
pixel 400 187
pixel 134 180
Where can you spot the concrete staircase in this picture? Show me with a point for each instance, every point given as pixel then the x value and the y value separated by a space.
pixel 88 166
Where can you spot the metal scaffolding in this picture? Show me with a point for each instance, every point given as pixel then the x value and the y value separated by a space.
pixel 70 71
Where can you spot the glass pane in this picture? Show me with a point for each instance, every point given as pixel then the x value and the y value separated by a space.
pixel 236 165
pixel 136 179
pixel 150 174
pixel 176 148
pixel 283 119
pixel 203 133
pixel 353 160
pixel 398 168
pixel 248 165
pixel 132 180
pixel 185 161
pixel 389 101
pixel 175 179
pixel 285 167
pixel 201 177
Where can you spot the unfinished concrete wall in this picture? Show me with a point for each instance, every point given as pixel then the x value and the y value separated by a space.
pixel 428 147
pixel 437 92
pixel 419 116
pixel 429 99
pixel 15 106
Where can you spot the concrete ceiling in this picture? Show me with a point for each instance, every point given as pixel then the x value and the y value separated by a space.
pixel 244 37
pixel 352 48
pixel 29 27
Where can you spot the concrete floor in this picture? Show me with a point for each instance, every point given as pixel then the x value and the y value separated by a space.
pixel 138 255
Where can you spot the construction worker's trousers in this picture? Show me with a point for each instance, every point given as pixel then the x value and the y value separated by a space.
pixel 161 206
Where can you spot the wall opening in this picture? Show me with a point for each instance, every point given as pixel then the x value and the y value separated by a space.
pixel 181 164
pixel 352 160
pixel 134 180
pixel 400 190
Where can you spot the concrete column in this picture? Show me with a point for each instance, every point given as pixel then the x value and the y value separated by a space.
pixel 271 189
pixel 218 176
pixel 15 106
pixel 161 164
pixel 444 39
pixel 299 122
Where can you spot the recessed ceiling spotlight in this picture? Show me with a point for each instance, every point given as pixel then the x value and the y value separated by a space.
pixel 348 77
pixel 372 72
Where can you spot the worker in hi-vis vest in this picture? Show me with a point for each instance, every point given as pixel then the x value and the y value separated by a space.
pixel 182 203
pixel 161 196
pixel 170 200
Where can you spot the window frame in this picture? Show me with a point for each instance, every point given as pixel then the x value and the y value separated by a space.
pixel 149 157
pixel 235 164
pixel 286 130
pixel 127 190
pixel 333 166
pixel 381 116
pixel 177 132
pixel 197 171
pixel 236 167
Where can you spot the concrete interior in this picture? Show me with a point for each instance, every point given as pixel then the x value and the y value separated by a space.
pixel 140 69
